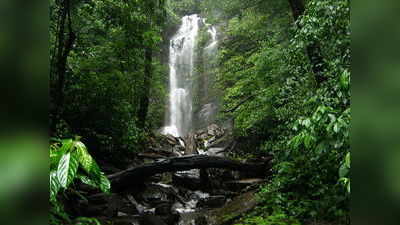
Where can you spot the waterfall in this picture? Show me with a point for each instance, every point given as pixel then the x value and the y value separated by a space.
pixel 181 65
pixel 181 69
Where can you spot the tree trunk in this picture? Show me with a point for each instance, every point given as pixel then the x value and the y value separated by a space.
pixel 129 178
pixel 314 49
pixel 58 70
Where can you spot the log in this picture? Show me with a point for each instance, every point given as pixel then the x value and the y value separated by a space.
pixel 134 176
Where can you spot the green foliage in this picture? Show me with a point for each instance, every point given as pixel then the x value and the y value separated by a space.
pixel 183 7
pixel 66 157
pixel 344 172
pixel 272 94
pixel 274 219
pixel 106 71
pixel 70 161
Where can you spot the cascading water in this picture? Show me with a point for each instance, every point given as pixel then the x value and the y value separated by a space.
pixel 182 58
pixel 181 64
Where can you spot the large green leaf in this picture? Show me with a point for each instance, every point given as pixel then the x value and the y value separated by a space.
pixel 86 160
pixel 67 168
pixel 90 166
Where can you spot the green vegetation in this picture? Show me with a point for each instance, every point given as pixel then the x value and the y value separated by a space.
pixel 106 74
pixel 283 72
pixel 70 161
pixel 299 112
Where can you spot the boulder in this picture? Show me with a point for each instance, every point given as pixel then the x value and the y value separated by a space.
pixel 239 206
pixel 212 201
pixel 171 139
pixel 155 195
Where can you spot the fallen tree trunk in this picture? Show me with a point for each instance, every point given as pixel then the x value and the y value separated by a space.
pixel 128 178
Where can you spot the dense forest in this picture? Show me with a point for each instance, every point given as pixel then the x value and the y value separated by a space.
pixel 228 112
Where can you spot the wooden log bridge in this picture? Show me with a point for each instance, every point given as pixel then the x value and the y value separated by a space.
pixel 128 178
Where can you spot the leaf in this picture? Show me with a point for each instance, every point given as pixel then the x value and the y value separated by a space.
pixel 343 171
pixel 345 79
pixel 347 160
pixel 348 186
pixel 87 180
pixel 57 152
pixel 336 128
pixel 308 140
pixel 85 159
pixel 67 168
pixel 90 166
pixel 105 184
pixel 54 185
pixel 307 122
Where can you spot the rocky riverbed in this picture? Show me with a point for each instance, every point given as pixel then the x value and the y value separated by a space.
pixel 192 197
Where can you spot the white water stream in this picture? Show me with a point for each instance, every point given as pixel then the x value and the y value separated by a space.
pixel 181 64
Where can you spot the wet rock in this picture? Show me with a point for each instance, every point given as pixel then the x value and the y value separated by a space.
pixel 181 142
pixel 212 201
pixel 203 136
pixel 188 179
pixel 211 140
pixel 151 220
pixel 214 130
pixel 233 209
pixel 163 209
pixel 171 139
pixel 200 132
pixel 155 194
pixel 129 210
pixel 103 205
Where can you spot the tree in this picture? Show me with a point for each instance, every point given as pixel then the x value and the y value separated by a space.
pixel 65 42
pixel 313 49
